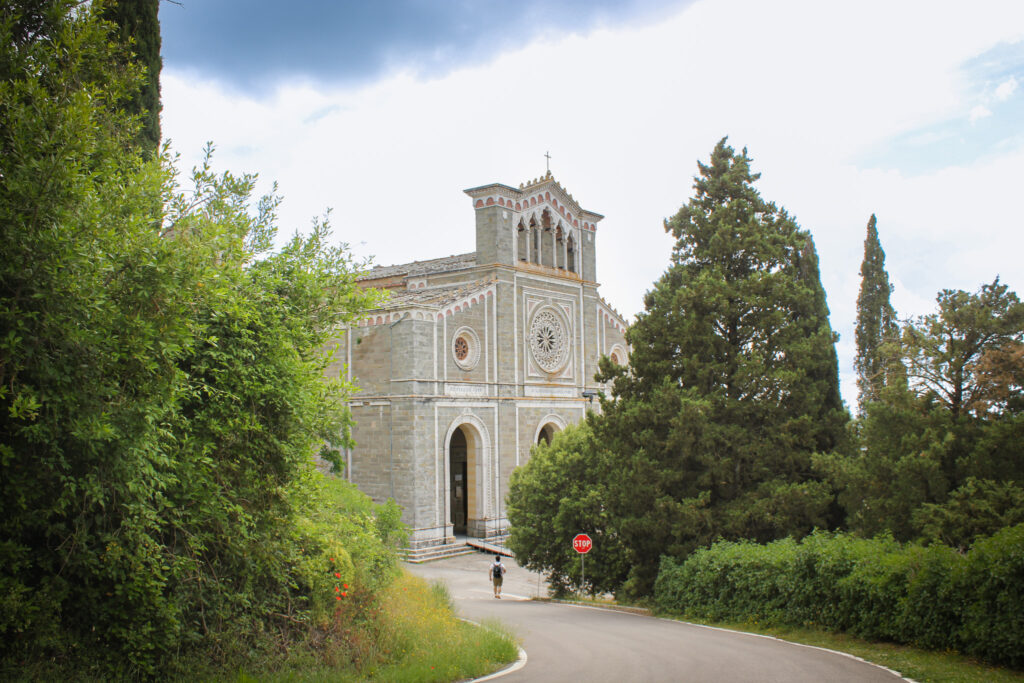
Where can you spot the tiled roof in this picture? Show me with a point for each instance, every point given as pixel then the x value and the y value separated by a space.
pixel 434 296
pixel 416 268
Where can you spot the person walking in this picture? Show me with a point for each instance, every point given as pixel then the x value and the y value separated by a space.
pixel 497 572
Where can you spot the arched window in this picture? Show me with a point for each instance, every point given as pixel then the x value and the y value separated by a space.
pixel 547 241
pixel 570 255
pixel 522 243
pixel 559 247
pixel 534 241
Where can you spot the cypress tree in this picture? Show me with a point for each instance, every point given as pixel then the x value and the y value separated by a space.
pixel 876 321
pixel 732 384
pixel 138 28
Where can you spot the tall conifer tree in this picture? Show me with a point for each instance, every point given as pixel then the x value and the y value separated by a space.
pixel 876 321
pixel 732 384
pixel 138 28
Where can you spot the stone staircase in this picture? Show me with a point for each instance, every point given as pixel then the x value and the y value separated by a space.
pixel 436 552
pixel 462 546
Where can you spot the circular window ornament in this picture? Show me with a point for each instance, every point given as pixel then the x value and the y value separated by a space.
pixel 465 348
pixel 548 340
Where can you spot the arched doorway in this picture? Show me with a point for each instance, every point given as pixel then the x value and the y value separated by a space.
pixel 458 485
pixel 468 496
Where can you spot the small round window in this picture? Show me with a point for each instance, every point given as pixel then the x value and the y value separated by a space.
pixel 465 348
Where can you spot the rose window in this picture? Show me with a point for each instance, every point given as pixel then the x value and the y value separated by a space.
pixel 548 341
pixel 465 348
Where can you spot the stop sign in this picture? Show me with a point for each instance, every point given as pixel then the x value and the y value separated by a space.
pixel 582 544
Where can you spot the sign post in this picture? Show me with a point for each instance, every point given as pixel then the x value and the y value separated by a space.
pixel 582 544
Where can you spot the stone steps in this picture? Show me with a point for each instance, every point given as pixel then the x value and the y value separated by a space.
pixel 463 546
pixel 437 552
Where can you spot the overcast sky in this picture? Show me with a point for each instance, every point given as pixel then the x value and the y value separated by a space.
pixel 385 111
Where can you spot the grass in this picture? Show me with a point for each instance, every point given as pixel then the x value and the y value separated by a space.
pixel 925 666
pixel 413 638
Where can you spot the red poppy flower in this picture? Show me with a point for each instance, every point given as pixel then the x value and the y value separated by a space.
pixel 343 593
pixel 337 597
pixel 337 574
pixel 345 585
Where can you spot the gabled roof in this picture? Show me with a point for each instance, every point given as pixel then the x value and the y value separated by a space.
pixel 416 268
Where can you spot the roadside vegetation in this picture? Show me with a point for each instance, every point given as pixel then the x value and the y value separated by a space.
pixel 163 402
pixel 723 459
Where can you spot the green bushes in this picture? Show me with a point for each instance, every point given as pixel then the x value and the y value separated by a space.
pixel 931 597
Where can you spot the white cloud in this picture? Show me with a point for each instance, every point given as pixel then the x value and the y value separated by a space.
pixel 1006 89
pixel 806 86
pixel 979 112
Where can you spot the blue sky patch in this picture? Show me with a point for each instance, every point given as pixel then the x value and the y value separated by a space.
pixel 990 123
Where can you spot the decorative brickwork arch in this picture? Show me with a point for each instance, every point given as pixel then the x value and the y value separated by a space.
pixel 548 426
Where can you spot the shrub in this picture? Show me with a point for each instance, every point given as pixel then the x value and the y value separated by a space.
pixel 931 597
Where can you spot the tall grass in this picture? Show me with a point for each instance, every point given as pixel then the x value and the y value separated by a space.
pixel 409 635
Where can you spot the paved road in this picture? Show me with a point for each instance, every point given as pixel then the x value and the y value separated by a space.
pixel 569 643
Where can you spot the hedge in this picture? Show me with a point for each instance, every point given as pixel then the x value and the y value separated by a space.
pixel 931 597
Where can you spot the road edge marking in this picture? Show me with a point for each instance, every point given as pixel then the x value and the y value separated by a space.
pixel 611 608
pixel 511 668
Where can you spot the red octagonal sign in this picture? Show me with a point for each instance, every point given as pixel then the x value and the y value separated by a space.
pixel 582 543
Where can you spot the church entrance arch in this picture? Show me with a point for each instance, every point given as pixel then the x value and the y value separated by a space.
pixel 466 452
pixel 458 482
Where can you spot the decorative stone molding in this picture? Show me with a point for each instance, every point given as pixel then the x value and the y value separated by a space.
pixel 548 419
pixel 464 390
pixel 541 391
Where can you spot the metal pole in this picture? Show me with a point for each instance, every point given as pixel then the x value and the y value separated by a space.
pixel 583 571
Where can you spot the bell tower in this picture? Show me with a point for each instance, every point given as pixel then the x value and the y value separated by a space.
pixel 538 226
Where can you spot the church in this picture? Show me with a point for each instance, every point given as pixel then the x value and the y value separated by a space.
pixel 475 358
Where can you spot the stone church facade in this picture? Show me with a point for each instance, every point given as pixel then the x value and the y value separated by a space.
pixel 475 358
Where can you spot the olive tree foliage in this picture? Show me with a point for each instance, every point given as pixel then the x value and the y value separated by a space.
pixel 161 375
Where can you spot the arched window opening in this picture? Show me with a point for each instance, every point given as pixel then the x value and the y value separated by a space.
pixel 559 247
pixel 522 245
pixel 547 432
pixel 570 255
pixel 534 241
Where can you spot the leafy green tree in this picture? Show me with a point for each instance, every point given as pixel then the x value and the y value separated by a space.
pixel 558 493
pixel 138 28
pixel 160 399
pixel 732 385
pixel 955 353
pixel 876 321
pixel 951 429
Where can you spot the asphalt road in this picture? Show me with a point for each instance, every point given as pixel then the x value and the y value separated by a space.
pixel 571 643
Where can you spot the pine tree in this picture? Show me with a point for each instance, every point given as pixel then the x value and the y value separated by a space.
pixel 138 28
pixel 876 321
